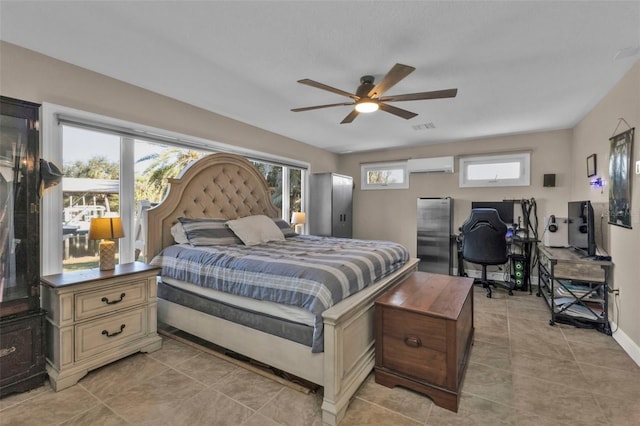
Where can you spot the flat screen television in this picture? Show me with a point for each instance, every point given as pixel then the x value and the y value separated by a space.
pixel 581 223
pixel 504 208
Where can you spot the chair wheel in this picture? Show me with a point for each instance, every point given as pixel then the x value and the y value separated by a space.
pixel 510 293
pixel 489 295
pixel 552 323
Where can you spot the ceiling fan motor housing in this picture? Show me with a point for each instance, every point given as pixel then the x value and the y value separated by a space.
pixel 366 84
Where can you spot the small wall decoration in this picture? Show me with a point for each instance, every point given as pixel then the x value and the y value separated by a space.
pixel 591 165
pixel 620 178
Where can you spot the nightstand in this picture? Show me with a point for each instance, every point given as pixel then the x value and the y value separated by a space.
pixel 95 317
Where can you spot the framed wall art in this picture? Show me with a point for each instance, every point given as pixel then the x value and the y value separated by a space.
pixel 591 165
pixel 620 176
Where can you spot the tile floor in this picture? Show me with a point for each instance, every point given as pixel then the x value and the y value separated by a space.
pixel 521 372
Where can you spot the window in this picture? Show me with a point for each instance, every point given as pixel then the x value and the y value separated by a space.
pixel 90 189
pixel 112 167
pixel 495 170
pixel 384 175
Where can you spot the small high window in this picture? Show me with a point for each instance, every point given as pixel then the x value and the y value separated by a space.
pixel 384 175
pixel 495 170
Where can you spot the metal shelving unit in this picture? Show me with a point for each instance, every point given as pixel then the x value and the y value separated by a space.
pixel 575 288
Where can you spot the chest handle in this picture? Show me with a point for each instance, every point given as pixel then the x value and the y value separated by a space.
pixel 412 341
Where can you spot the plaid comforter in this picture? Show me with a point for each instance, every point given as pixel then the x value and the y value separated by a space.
pixel 310 272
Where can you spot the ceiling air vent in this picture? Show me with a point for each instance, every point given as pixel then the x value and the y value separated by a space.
pixel 424 126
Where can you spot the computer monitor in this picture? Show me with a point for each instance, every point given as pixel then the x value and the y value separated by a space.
pixel 504 208
pixel 581 230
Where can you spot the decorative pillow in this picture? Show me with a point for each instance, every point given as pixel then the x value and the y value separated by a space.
pixel 257 229
pixel 208 232
pixel 179 236
pixel 285 227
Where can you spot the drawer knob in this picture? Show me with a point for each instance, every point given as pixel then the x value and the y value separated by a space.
pixel 113 302
pixel 115 333
pixel 414 342
pixel 7 351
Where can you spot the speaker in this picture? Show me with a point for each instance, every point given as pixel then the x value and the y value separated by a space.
pixel 549 180
pixel 519 273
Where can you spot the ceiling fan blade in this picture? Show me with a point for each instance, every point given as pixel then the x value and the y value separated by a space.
pixel 395 74
pixel 317 85
pixel 349 118
pixel 320 106
pixel 437 94
pixel 397 111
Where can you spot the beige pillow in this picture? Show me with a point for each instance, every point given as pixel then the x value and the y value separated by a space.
pixel 254 230
pixel 178 234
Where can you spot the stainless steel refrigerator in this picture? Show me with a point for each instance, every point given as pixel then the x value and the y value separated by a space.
pixel 435 237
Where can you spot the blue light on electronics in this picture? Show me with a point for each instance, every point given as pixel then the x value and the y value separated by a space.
pixel 598 183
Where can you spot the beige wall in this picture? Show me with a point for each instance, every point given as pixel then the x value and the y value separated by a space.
pixel 590 136
pixel 391 214
pixel 30 76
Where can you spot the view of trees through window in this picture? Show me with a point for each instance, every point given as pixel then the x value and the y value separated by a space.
pixel 91 185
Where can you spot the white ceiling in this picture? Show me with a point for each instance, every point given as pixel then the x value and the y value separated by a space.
pixel 519 66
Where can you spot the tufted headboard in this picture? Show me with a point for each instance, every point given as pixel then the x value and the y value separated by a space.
pixel 224 186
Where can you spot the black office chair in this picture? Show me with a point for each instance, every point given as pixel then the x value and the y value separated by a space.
pixel 484 242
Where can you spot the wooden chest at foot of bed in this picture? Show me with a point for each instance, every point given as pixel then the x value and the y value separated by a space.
pixel 424 331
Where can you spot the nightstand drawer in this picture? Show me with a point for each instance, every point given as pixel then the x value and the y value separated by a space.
pixel 116 330
pixel 109 299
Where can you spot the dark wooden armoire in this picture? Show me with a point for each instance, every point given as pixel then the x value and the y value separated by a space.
pixel 22 356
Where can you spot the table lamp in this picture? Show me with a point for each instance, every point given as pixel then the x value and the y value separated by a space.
pixel 298 219
pixel 106 228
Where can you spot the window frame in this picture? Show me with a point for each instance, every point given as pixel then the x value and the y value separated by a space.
pixel 52 205
pixel 390 165
pixel 522 158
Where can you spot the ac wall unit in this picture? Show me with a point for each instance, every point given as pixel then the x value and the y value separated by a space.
pixel 428 165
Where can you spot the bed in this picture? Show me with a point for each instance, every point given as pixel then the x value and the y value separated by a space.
pixel 226 186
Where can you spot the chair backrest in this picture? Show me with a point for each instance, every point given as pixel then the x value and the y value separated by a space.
pixel 484 238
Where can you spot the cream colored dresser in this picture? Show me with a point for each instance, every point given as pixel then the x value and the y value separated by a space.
pixel 96 317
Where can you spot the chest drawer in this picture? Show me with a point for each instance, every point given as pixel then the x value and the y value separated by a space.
pixel 106 333
pixel 109 299
pixel 415 344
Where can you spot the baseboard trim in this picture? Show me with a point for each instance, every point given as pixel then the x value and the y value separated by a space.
pixel 630 347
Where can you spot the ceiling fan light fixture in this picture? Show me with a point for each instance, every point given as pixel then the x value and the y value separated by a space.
pixel 367 106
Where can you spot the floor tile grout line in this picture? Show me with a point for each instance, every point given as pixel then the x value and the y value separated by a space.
pixel 388 409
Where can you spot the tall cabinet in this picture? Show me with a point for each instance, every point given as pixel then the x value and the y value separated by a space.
pixel 331 205
pixel 22 359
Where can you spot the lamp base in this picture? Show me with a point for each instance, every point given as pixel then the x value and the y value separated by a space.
pixel 107 255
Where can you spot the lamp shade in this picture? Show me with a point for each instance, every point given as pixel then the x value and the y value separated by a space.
pixel 103 228
pixel 298 218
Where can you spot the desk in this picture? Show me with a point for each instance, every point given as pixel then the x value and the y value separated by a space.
pixel 574 287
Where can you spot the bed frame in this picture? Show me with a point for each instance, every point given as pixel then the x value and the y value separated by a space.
pixel 228 186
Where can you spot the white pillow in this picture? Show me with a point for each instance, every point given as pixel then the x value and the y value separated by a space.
pixel 179 236
pixel 254 230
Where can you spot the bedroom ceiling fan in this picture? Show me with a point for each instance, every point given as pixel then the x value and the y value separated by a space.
pixel 368 97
